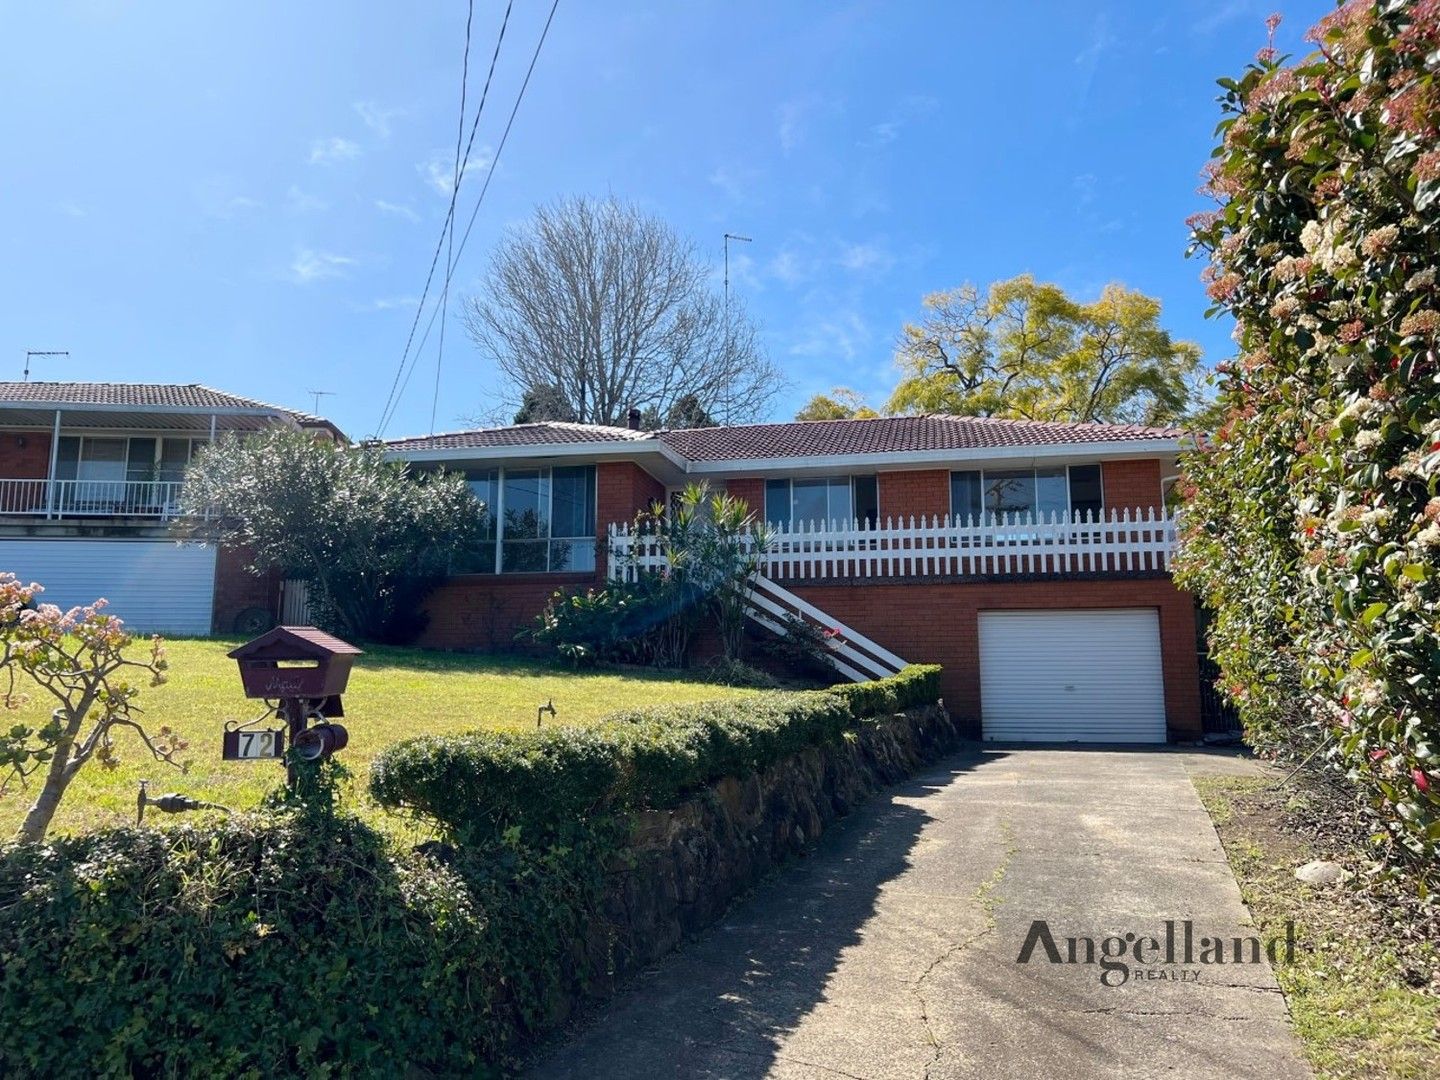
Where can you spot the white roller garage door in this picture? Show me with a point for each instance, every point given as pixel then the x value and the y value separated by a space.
pixel 156 586
pixel 1072 676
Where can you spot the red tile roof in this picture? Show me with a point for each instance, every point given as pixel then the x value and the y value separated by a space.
pixel 805 438
pixel 893 434
pixel 548 433
pixel 138 396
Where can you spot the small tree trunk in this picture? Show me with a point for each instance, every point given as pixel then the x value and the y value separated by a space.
pixel 57 778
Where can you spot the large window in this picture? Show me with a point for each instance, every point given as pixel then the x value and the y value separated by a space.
pixel 1005 493
pixel 832 500
pixel 537 521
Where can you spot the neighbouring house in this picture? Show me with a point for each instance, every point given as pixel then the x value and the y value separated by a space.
pixel 1030 559
pixel 90 478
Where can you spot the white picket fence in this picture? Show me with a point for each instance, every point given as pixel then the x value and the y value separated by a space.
pixel 1008 545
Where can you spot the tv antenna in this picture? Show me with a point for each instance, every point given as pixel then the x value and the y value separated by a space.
pixel 31 353
pixel 318 394
pixel 728 238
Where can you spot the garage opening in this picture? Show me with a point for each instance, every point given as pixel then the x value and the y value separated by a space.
pixel 155 586
pixel 1072 676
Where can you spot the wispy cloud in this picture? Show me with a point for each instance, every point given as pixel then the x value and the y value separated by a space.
pixel 398 209
pixel 842 335
pixel 333 150
pixel 309 266
pixel 734 180
pixel 439 168
pixel 300 201
pixel 907 110
pixel 72 209
pixel 377 119
pixel 793 118
pixel 865 258
pixel 787 266
pixel 387 303
pixel 1217 15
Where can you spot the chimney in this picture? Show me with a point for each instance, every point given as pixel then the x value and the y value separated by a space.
pixel 632 419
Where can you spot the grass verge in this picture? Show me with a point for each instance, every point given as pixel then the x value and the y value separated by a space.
pixel 1364 991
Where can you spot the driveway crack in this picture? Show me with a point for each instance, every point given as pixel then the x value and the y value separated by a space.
pixel 984 895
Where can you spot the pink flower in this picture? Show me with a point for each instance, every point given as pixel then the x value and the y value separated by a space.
pixel 1421 780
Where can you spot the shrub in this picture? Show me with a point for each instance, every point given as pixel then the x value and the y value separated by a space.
pixel 371 536
pixel 276 946
pixel 1313 523
pixel 545 784
pixel 710 543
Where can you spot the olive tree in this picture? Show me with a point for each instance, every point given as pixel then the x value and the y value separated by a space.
pixel 370 536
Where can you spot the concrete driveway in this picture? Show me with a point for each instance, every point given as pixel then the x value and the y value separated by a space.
pixel 892 950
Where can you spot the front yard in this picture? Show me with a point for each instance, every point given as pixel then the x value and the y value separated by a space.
pixel 393 693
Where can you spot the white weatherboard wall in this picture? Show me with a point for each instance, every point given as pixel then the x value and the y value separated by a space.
pixel 156 586
pixel 1072 676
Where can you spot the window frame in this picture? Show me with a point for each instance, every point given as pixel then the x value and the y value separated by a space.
pixel 989 517
pixel 496 478
pixel 866 521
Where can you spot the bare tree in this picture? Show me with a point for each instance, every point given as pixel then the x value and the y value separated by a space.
pixel 615 310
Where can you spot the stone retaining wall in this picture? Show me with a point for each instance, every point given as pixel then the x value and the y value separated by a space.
pixel 682 868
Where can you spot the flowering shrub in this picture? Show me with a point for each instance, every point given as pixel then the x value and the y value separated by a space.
pixel 78 658
pixel 1313 522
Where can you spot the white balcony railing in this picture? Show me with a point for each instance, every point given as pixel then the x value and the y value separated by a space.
pixel 1010 545
pixel 156 500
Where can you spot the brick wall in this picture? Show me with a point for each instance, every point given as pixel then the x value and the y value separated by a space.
pixel 752 490
pixel 910 494
pixel 622 490
pixel 939 624
pixel 1131 485
pixel 237 589
pixel 28 462
pixel 486 611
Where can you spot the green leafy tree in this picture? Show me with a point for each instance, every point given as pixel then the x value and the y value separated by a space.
pixel 78 660
pixel 688 413
pixel 1025 350
pixel 1312 526
pixel 544 402
pixel 841 403
pixel 370 536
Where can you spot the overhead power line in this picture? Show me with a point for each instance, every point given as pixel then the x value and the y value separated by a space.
pixel 445 229
pixel 470 224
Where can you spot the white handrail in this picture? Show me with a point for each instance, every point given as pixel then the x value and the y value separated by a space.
pixel 1007 545
pixel 153 499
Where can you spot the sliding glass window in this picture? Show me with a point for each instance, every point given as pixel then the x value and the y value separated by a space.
pixel 537 521
pixel 836 501
pixel 1021 493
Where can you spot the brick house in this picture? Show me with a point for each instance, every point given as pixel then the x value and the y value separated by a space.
pixel 90 476
pixel 1030 559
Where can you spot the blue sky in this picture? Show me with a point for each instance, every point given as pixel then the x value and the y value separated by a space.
pixel 247 195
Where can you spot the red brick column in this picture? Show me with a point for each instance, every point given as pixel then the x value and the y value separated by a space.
pixel 911 494
pixel 1132 485
pixel 752 490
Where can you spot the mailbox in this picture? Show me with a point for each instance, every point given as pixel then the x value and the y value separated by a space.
pixel 295 662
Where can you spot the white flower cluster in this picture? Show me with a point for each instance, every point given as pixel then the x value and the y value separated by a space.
pixel 1321 240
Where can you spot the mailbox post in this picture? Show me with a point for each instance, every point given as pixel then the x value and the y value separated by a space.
pixel 303 670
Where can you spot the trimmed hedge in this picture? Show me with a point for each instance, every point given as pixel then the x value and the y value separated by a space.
pixel 301 943
pixel 277 945
pixel 485 785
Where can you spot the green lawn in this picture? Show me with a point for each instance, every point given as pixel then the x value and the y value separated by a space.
pixel 393 693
